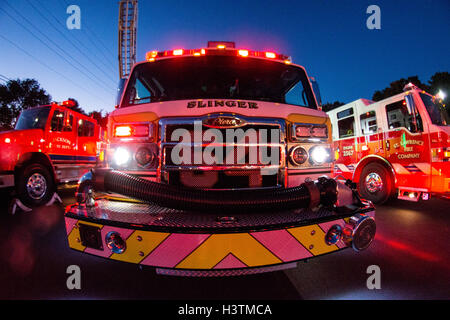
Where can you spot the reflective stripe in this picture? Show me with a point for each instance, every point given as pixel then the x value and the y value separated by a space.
pixel 421 167
pixel 212 251
pixel 62 157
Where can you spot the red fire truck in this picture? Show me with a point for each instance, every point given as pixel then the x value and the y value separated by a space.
pixel 395 147
pixel 50 144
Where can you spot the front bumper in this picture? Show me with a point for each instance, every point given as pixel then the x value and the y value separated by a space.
pixel 204 244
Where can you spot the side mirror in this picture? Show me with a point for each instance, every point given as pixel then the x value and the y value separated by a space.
pixel 411 106
pixel 316 90
pixel 120 88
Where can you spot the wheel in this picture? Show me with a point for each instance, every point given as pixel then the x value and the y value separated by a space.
pixel 35 185
pixel 375 183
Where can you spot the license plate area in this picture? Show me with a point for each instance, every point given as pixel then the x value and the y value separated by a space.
pixel 222 179
pixel 90 236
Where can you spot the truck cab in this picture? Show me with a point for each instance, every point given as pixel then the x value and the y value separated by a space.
pixel 50 144
pixel 396 147
pixel 224 89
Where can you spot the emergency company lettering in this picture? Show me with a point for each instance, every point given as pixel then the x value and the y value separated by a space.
pixel 222 103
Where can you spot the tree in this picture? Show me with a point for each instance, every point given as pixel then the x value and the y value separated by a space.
pixel 440 81
pixel 77 107
pixel 17 95
pixel 330 106
pixel 396 87
pixel 101 120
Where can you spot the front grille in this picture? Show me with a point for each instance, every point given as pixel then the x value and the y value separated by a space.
pixel 171 127
pixel 238 164
pixel 231 156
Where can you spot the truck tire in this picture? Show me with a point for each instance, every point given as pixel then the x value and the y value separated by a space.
pixel 35 185
pixel 375 183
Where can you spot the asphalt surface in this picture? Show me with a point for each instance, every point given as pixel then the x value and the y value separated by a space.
pixel 411 248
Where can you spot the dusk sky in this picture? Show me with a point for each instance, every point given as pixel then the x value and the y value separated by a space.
pixel 328 37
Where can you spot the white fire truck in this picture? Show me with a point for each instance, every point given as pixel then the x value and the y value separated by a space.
pixel 215 166
pixel 395 147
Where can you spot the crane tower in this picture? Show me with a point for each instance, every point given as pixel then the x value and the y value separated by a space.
pixel 128 14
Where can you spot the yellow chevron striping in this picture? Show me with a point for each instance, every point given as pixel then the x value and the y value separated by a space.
pixel 74 239
pixel 139 245
pixel 313 238
pixel 216 247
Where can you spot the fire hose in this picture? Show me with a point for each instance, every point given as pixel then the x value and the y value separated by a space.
pixel 325 191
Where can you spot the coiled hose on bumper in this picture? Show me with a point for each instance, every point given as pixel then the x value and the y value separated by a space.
pixel 323 191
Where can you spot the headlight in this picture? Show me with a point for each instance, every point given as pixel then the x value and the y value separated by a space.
pixel 144 157
pixel 319 154
pixel 121 156
pixel 298 155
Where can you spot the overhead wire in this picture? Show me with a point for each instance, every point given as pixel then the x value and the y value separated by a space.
pixel 77 47
pixel 99 82
pixel 48 67
pixel 97 38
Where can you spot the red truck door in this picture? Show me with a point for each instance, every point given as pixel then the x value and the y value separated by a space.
pixel 407 146
pixel 60 136
pixel 347 143
pixel 87 132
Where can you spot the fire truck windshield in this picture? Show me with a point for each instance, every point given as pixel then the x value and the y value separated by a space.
pixel 34 118
pixel 436 110
pixel 218 77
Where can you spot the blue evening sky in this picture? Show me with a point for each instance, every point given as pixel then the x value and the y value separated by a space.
pixel 328 37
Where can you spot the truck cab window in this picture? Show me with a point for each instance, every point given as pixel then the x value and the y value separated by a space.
pixel 57 122
pixel 218 77
pixel 398 117
pixel 139 93
pixel 34 118
pixel 436 110
pixel 346 124
pixel 85 128
pixel 68 124
pixel 368 122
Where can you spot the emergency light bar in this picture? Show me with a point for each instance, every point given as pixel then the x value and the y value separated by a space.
pixel 217 48
pixel 66 103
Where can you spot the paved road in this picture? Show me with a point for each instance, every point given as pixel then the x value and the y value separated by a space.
pixel 412 249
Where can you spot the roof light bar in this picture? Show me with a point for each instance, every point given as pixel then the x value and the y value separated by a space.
pixel 243 53
pixel 219 48
pixel 178 52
